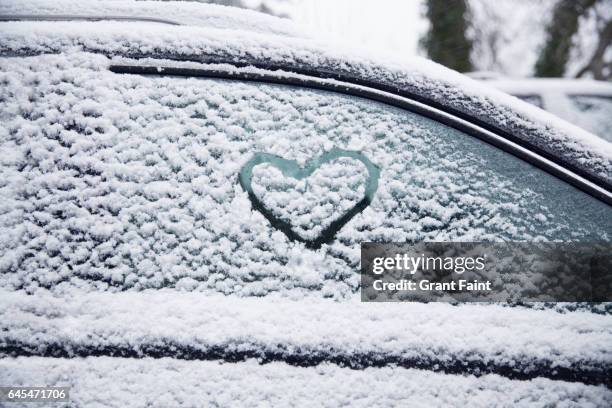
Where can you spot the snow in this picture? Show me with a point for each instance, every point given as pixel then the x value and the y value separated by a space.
pixel 123 222
pixel 168 382
pixel 583 102
pixel 182 12
pixel 426 333
pixel 311 204
pixel 112 181
pixel 413 75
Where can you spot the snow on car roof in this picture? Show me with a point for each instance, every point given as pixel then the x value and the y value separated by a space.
pixel 414 77
pixel 187 13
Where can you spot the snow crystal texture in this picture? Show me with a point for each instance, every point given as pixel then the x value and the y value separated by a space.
pixel 167 383
pixel 120 194
pixel 245 46
pixel 181 12
pixel 311 204
pixel 130 182
pixel 192 324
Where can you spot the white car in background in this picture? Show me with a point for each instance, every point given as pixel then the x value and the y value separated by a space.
pixel 585 103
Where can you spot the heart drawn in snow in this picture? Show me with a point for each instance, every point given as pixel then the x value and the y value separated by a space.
pixel 313 203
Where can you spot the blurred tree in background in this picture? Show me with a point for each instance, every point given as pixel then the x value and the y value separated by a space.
pixel 563 26
pixel 446 42
pixel 544 38
pixel 599 65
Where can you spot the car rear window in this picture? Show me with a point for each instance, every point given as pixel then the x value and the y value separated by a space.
pixel 532 99
pixel 595 114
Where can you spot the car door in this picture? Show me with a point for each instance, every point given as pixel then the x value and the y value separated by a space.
pixel 136 202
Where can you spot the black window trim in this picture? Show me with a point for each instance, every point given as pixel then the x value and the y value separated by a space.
pixel 305 81
pixel 75 17
pixel 594 95
pixel 343 74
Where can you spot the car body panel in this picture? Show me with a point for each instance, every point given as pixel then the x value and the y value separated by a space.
pixel 53 330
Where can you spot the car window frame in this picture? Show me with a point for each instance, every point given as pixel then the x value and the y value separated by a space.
pixel 278 77
pixel 572 95
pixel 537 96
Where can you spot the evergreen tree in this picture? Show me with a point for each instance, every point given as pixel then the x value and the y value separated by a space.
pixel 598 65
pixel 559 32
pixel 446 41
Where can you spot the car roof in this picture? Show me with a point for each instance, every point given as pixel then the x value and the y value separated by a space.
pixel 244 48
pixel 177 12
pixel 547 85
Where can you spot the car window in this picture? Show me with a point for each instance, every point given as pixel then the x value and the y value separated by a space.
pixel 532 99
pixel 118 182
pixel 594 114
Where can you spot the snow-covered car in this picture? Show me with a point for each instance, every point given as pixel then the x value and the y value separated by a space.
pixel 182 208
pixel 585 103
